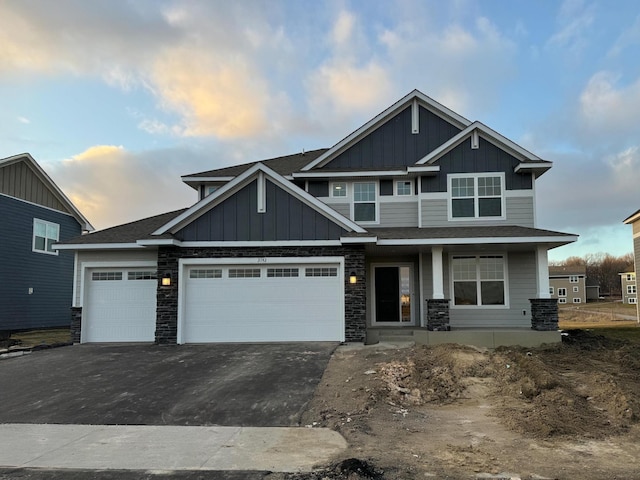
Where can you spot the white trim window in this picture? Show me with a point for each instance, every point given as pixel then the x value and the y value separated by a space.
pixel 576 289
pixel 631 289
pixel 365 202
pixel 45 234
pixel 404 188
pixel 551 291
pixel 577 300
pixel 631 277
pixel 562 292
pixel 476 196
pixel 562 300
pixel 339 190
pixel 633 300
pixel 479 280
pixel 573 279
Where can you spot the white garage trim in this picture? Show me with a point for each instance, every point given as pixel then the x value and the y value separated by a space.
pixel 185 263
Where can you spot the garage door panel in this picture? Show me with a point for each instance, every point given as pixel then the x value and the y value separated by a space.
pixel 118 309
pixel 273 308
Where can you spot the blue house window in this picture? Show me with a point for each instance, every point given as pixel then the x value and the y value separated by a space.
pixel 45 234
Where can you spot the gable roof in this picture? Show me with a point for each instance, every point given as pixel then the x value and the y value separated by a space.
pixel 414 96
pixel 50 184
pixel 528 161
pixel 634 217
pixel 227 190
pixel 284 166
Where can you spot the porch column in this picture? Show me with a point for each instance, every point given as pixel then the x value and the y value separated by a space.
pixel 437 274
pixel 543 272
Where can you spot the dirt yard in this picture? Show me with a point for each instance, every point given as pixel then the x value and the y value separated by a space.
pixel 568 411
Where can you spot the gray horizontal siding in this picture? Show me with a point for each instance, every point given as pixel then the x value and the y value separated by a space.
pixel 394 145
pixel 522 287
pixel 237 219
pixel 399 214
pixel 519 211
pixel 18 180
pixel 50 276
pixel 343 209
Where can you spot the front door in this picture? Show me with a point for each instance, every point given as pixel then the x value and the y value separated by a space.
pixel 392 295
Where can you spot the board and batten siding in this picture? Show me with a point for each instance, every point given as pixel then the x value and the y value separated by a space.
pixel 49 276
pixel 393 144
pixel 522 283
pixel 237 219
pixel 20 181
pixel 107 259
pixel 519 211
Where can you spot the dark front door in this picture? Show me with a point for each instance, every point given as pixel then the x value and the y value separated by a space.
pixel 387 294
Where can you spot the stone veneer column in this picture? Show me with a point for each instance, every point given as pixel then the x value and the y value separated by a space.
pixel 167 298
pixel 76 324
pixel 438 315
pixel 544 314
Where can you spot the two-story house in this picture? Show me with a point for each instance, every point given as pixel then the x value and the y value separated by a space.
pixel 568 284
pixel 629 289
pixel 420 221
pixel 36 280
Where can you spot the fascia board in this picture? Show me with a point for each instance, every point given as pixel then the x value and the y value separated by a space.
pixel 480 240
pixel 372 124
pixel 40 173
pixel 358 240
pixel 634 217
pixel 207 179
pixel 97 246
pixel 424 169
pixel 360 173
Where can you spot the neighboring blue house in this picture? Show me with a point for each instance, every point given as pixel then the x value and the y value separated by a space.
pixel 36 281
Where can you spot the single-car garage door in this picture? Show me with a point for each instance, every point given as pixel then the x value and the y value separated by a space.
pixel 120 305
pixel 263 303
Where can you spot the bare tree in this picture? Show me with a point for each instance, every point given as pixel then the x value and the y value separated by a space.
pixel 603 269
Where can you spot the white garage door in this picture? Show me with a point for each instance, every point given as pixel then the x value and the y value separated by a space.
pixel 120 305
pixel 263 303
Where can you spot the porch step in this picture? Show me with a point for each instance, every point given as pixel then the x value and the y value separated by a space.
pixel 395 335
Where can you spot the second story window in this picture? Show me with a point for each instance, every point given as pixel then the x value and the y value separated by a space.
pixel 404 187
pixel 45 234
pixel 339 189
pixel 476 196
pixel 364 202
pixel 573 279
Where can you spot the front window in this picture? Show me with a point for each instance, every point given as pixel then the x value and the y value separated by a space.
pixel 404 187
pixel 476 196
pixel 339 189
pixel 631 289
pixel 479 280
pixel 364 202
pixel 45 234
pixel 562 292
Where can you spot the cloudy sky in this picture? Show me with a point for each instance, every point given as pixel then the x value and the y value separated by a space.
pixel 117 99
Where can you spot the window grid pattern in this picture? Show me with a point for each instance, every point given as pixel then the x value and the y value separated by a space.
pixel 364 202
pixel 282 272
pixel 244 273
pixel 573 279
pixel 576 289
pixel 142 275
pixel 478 280
pixel 106 276
pixel 577 300
pixel 205 273
pixel 45 234
pixel 404 188
pixel 476 197
pixel 562 300
pixel 321 272
pixel 562 292
pixel 631 289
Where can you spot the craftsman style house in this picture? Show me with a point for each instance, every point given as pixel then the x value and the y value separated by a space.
pixel 420 223
pixel 568 284
pixel 36 280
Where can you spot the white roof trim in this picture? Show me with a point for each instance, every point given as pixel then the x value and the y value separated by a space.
pixel 242 180
pixel 424 169
pixel 488 134
pixel 359 173
pixel 97 246
pixel 479 240
pixel 359 239
pixel 376 121
pixel 207 179
pixel 46 179
pixel 633 218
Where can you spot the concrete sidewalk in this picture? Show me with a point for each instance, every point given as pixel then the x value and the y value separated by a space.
pixel 162 448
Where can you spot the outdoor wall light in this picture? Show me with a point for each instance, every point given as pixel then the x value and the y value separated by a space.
pixel 353 278
pixel 166 281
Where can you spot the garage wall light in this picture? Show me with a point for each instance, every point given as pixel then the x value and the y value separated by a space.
pixel 353 278
pixel 166 281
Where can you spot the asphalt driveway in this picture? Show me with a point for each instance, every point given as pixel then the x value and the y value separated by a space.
pixel 254 385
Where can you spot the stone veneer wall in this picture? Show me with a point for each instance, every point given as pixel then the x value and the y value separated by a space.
pixel 438 315
pixel 167 297
pixel 76 324
pixel 544 314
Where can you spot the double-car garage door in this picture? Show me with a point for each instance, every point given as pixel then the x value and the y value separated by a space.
pixel 222 302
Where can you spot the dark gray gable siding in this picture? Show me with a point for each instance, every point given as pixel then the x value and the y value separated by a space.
pixel 393 145
pixel 237 219
pixel 50 276
pixel 18 180
pixel 486 158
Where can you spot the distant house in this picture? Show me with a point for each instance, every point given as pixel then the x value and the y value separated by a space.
pixel 629 289
pixel 593 290
pixel 568 284
pixel 36 280
pixel 634 221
